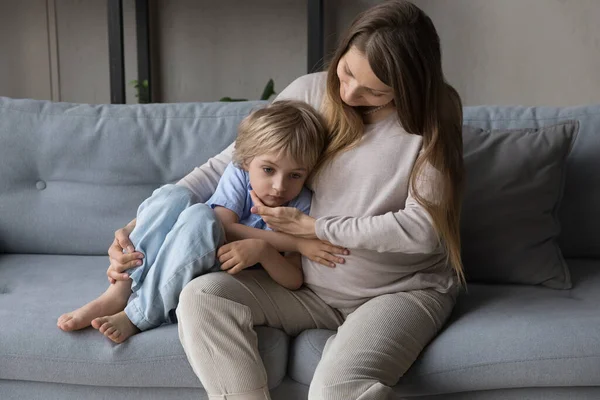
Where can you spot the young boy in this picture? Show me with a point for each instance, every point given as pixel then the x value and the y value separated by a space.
pixel 276 150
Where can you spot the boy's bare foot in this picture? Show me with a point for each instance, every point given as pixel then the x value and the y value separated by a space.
pixel 110 302
pixel 117 328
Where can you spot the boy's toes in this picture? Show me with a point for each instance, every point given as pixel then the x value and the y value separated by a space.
pixel 97 323
pixel 66 323
pixel 115 336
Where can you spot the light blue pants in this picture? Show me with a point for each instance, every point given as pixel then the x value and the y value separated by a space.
pixel 179 241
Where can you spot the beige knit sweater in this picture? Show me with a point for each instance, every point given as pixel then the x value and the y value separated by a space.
pixel 362 201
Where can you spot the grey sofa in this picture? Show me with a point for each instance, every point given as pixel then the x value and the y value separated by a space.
pixel 70 174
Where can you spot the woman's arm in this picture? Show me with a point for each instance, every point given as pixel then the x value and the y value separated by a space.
pixel 203 180
pixel 121 261
pixel 409 230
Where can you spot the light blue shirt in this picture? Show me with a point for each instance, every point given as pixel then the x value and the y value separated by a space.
pixel 233 193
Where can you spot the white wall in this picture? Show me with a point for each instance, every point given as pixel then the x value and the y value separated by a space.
pixel 495 51
pixel 544 52
pixel 58 50
pixel 24 59
pixel 211 49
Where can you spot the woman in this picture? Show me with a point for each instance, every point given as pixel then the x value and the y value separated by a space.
pixel 388 189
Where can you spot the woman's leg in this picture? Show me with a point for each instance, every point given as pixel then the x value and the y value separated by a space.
pixel 111 301
pixel 217 313
pixel 377 344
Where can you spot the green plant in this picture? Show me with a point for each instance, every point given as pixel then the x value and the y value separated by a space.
pixel 142 90
pixel 268 91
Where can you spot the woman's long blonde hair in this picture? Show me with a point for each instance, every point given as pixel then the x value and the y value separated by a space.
pixel 403 50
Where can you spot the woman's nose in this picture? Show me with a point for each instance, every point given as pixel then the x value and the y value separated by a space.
pixel 351 91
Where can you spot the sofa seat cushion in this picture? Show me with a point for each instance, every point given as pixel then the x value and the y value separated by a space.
pixel 36 289
pixel 500 337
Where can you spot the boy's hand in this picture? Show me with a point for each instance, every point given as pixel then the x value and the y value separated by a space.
pixel 322 252
pixel 239 255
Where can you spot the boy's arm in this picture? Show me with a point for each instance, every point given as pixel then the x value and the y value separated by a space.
pixel 236 231
pixel 239 255
pixel 316 250
pixel 285 270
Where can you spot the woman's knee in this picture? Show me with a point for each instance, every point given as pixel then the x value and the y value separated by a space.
pixel 331 385
pixel 217 284
pixel 193 297
pixel 216 295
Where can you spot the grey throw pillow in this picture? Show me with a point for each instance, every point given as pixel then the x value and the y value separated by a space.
pixel 514 184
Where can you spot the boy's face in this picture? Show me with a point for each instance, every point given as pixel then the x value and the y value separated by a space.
pixel 276 178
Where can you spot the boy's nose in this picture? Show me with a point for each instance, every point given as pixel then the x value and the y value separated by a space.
pixel 278 186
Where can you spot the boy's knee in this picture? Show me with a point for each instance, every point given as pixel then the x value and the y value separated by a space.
pixel 174 190
pixel 171 197
pixel 201 219
pixel 198 213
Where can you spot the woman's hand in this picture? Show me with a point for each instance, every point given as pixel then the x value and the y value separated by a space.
pixel 237 256
pixel 285 219
pixel 322 252
pixel 121 261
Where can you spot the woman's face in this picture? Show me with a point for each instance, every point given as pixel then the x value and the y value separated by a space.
pixel 359 86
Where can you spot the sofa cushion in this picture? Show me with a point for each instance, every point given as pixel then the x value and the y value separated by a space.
pixel 73 173
pixel 514 184
pixel 579 212
pixel 36 289
pixel 500 336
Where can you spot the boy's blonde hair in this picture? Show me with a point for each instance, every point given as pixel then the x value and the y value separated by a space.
pixel 292 127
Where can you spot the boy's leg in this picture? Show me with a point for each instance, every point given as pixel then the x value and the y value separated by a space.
pixel 111 301
pixel 156 216
pixel 188 250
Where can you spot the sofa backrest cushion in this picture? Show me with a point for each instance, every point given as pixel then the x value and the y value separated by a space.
pixel 579 211
pixel 71 174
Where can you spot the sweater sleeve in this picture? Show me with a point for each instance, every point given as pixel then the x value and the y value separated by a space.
pixel 409 230
pixel 203 180
pixel 307 88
